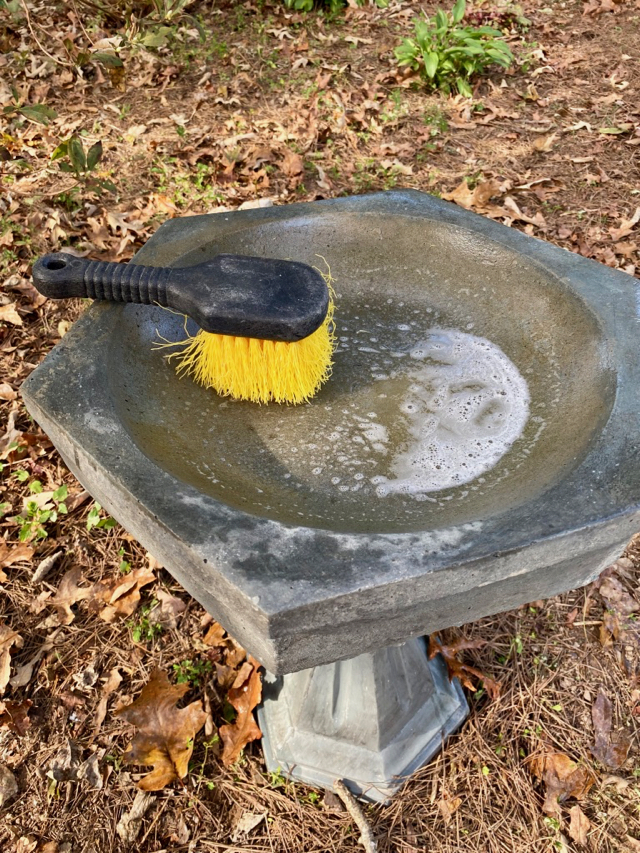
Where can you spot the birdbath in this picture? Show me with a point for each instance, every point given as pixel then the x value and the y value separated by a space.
pixel 475 448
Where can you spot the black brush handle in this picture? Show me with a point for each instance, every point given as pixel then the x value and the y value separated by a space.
pixel 60 276
pixel 249 297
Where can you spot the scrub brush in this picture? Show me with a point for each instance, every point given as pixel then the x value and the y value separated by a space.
pixel 266 330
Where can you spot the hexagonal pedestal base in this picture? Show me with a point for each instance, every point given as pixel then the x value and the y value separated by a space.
pixel 371 720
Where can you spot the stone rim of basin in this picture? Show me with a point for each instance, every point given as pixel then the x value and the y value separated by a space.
pixel 300 596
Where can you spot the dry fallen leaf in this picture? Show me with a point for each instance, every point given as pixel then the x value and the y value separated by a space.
pixel 8 314
pixel 7 393
pixel 610 751
pixel 69 593
pixel 447 806
pixel 215 635
pixel 111 684
pixel 165 735
pixel 11 435
pixel 616 597
pixel 8 639
pixel 168 609
pixel 17 554
pixel 619 783
pixel 563 777
pixel 246 823
pixel 24 673
pixel 579 826
pixel 244 696
pixel 476 198
pixel 545 143
pixel 8 785
pixel 459 670
pixel 293 167
pixel 14 716
pixel 119 596
pixel 44 567
pixel 626 226
pixel 129 825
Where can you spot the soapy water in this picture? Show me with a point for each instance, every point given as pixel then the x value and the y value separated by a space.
pixel 465 407
pixel 433 417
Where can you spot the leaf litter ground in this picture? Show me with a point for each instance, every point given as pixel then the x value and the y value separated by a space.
pixel 282 107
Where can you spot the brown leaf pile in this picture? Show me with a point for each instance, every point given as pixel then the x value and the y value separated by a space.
pixel 165 735
pixel 463 671
pixel 112 598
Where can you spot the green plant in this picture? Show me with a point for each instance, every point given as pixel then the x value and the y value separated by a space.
pixel 95 520
pixel 73 157
pixel 143 630
pixel 13 8
pixel 40 511
pixel 40 113
pixel 330 6
pixel 436 120
pixel 277 779
pixel 125 565
pixel 447 55
pixel 192 671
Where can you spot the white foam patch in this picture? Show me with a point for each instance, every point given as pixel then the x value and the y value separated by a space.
pixel 437 415
pixel 466 405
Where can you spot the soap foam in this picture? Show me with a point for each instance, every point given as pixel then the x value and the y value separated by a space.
pixel 447 408
pixel 466 405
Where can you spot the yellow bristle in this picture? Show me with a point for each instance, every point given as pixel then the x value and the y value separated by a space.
pixel 258 370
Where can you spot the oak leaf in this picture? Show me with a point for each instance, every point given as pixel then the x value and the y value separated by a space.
pixel 476 198
pixel 165 735
pixel 215 635
pixel 563 777
pixel 608 750
pixel 244 695
pixel 459 670
pixel 119 596
pixel 69 593
pixel 292 164
pixel 448 805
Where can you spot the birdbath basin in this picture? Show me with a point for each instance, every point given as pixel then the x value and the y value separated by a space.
pixel 475 448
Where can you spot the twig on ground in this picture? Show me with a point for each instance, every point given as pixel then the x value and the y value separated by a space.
pixel 355 810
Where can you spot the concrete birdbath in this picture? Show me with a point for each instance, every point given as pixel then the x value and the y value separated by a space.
pixel 476 448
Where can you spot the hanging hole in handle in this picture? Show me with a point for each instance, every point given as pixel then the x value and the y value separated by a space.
pixel 56 264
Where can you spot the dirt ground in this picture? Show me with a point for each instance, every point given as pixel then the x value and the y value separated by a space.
pixel 245 102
